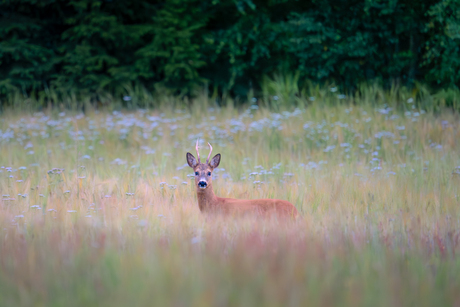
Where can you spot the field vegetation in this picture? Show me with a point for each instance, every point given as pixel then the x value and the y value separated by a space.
pixel 99 208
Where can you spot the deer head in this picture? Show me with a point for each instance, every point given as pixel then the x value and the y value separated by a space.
pixel 203 171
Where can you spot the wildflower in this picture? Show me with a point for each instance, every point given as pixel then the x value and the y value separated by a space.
pixel 195 240
pixel 118 161
pixel 444 124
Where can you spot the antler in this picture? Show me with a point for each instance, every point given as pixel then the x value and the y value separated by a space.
pixel 197 153
pixel 210 151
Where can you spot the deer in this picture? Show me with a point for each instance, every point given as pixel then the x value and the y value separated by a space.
pixel 208 202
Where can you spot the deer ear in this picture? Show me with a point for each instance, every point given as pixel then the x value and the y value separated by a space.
pixel 191 161
pixel 215 161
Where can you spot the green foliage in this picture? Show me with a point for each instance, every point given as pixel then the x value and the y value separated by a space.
pixel 172 57
pixel 443 45
pixel 106 46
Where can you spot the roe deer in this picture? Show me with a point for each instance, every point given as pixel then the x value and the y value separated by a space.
pixel 209 202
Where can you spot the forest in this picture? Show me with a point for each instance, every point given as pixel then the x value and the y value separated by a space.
pixel 229 48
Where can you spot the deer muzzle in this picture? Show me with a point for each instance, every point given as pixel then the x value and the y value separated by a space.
pixel 202 184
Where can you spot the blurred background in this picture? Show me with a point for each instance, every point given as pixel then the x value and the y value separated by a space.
pixel 102 51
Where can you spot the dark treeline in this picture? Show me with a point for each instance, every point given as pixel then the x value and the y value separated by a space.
pixel 229 45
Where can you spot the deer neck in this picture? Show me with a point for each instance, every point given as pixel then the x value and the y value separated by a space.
pixel 207 200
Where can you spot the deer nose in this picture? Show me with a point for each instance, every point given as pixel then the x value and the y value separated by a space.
pixel 202 184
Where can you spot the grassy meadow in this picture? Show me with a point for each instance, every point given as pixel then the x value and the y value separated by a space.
pixel 99 209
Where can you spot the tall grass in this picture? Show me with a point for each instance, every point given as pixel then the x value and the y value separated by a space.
pixel 99 210
pixel 282 91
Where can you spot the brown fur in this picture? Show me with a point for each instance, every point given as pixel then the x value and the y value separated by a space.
pixel 209 202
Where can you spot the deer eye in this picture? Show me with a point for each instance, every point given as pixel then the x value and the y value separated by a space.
pixel 209 173
pixel 196 173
